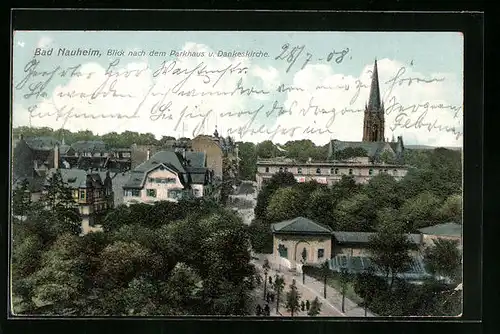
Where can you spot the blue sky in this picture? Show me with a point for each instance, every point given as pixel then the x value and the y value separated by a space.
pixel 425 55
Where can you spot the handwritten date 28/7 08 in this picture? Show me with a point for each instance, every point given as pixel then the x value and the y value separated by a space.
pixel 292 54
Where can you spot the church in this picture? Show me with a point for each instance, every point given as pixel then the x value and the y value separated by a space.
pixel 362 160
pixel 374 142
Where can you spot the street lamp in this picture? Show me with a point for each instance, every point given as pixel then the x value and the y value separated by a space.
pixel 303 261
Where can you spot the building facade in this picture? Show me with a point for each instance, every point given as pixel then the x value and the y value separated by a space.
pixel 292 237
pixel 168 176
pixel 92 193
pixel 327 172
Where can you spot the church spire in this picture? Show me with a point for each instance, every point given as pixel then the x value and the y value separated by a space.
pixel 374 102
pixel 374 122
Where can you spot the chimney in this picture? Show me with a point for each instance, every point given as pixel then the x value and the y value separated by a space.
pixel 148 154
pixel 56 156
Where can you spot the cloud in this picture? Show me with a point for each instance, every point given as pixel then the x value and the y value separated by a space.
pixel 418 107
pixel 168 100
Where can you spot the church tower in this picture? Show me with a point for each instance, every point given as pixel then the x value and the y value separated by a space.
pixel 374 123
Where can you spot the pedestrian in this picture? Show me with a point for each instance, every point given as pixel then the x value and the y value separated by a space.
pixel 308 305
pixel 259 310
pixel 303 306
pixel 267 310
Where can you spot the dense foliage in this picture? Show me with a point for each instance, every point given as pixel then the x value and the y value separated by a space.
pixel 190 257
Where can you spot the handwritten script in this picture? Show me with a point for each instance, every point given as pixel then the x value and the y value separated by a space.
pixel 174 93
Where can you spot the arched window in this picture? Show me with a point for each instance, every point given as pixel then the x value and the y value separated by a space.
pixel 350 171
pixel 318 170
pixel 395 172
pixel 281 169
pixel 332 171
pixel 286 169
pixel 385 170
pixel 380 171
pixel 370 172
pixel 336 171
pixel 299 170
pixel 267 169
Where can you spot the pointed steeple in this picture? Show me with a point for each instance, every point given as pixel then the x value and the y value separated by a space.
pixel 393 140
pixel 216 133
pixel 374 102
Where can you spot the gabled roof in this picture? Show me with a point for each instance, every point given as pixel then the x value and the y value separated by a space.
pixel 447 229
pixel 77 178
pixel 197 159
pixel 364 237
pixel 41 143
pixel 168 159
pixel 300 225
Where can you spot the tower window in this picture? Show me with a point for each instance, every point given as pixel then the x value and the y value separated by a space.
pixel 299 170
pixel 318 170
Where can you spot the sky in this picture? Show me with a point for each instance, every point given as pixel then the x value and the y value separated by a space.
pixel 420 75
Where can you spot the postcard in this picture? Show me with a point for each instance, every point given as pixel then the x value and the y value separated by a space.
pixel 232 173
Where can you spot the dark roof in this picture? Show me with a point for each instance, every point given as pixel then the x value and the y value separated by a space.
pixel 300 225
pixel 89 146
pixel 446 229
pixel 168 159
pixel 41 143
pixel 372 148
pixel 197 159
pixel 77 178
pixel 364 237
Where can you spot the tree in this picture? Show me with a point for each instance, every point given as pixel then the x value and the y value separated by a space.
pixel 247 152
pixel 368 286
pixel 284 204
pixel 278 180
pixel 443 259
pixel 325 273
pixel 293 299
pixel 451 210
pixel 421 210
pixel 344 283
pixel 266 268
pixel 320 206
pixel 387 157
pixel 21 199
pixel 315 308
pixel 356 214
pixel 390 247
pixel 266 150
pixel 58 200
pixel 279 285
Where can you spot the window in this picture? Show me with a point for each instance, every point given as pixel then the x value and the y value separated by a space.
pixel 286 169
pixel 299 170
pixel 380 171
pixel 151 192
pixel 385 170
pixel 350 171
pixel 336 171
pixel 281 169
pixel 370 172
pixel 321 253
pixel 135 192
pixel 332 171
pixel 283 251
pixel 176 194
pixel 151 180
pixel 82 194
pixel 267 169
pixel 318 170
pixel 395 172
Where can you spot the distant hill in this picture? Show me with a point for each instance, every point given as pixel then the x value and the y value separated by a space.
pixel 426 147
